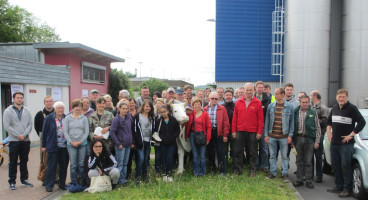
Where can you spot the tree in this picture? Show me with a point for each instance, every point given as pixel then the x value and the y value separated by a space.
pixel 117 81
pixel 19 25
pixel 130 75
pixel 154 85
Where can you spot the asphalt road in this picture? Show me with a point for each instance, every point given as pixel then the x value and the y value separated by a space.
pixel 319 192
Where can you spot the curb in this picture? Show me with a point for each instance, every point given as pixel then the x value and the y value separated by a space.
pixel 56 195
pixel 296 192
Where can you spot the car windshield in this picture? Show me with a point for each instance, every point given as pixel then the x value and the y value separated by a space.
pixel 364 133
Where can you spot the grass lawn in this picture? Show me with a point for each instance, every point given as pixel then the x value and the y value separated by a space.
pixel 186 186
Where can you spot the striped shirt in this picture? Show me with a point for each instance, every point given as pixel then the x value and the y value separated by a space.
pixel 277 124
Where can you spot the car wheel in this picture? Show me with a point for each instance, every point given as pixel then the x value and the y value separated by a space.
pixel 358 186
pixel 327 169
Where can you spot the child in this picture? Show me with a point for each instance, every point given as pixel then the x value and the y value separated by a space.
pixel 169 130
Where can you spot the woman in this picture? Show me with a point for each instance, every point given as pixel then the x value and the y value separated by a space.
pixel 86 109
pixel 168 129
pixel 54 143
pixel 144 124
pixel 132 111
pixel 76 133
pixel 199 121
pixel 101 118
pixel 109 105
pixel 121 134
pixel 158 166
pixel 155 96
pixel 101 161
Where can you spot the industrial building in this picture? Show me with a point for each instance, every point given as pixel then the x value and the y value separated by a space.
pixel 314 44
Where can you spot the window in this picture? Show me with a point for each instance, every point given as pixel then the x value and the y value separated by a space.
pixel 92 73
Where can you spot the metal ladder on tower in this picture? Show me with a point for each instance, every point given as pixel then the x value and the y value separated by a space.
pixel 277 61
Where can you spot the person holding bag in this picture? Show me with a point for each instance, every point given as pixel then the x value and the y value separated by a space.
pixel 199 125
pixel 168 130
pixel 102 162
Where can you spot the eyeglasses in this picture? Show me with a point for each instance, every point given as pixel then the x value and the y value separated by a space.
pixel 97 146
pixel 163 112
pixel 214 98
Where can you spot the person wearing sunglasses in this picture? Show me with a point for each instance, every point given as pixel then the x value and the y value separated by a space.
pixel 219 132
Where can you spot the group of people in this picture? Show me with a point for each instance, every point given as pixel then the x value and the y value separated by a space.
pixel 249 124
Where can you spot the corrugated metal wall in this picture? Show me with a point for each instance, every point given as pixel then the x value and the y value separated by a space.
pixel 243 40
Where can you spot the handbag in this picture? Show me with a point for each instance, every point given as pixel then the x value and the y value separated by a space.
pixel 199 137
pixel 155 135
pixel 42 168
pixel 100 184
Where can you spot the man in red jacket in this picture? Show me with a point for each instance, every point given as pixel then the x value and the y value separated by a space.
pixel 247 127
pixel 219 132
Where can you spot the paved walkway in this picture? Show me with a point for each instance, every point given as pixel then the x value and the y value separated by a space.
pixel 35 193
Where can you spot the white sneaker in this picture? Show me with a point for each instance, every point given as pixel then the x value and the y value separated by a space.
pixel 170 179
pixel 164 178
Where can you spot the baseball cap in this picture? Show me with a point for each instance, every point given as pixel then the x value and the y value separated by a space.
pixel 179 91
pixel 93 91
pixel 170 90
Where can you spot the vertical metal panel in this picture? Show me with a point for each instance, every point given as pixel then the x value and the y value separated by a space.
pixel 354 64
pixel 307 45
pixel 239 84
pixel 335 51
pixel 243 40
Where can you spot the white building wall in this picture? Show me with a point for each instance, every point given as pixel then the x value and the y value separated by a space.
pixel 34 101
pixel 1 118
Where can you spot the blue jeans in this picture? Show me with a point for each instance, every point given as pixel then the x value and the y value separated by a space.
pixel 342 165
pixel 167 157
pixel 272 145
pixel 122 158
pixel 158 163
pixel 77 156
pixel 143 155
pixel 53 158
pixel 199 157
pixel 318 155
pixel 262 154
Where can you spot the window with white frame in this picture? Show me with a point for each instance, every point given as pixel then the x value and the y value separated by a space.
pixel 92 73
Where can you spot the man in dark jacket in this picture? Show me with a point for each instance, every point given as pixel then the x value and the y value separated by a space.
pixel 38 123
pixel 262 153
pixel 343 123
pixel 229 106
pixel 322 113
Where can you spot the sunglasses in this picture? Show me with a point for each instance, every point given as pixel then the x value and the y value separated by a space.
pixel 214 98
pixel 97 146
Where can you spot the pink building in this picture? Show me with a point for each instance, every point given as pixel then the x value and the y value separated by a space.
pixel 89 68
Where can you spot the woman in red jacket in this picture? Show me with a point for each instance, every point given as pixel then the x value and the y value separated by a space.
pixel 199 123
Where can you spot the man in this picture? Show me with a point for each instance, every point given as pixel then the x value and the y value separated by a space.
pixel 164 95
pixel 180 95
pixel 343 123
pixel 48 102
pixel 241 92
pixel 17 122
pixel 200 95
pixel 278 131
pixel 93 96
pixel 247 126
pixel 307 133
pixel 144 95
pixel 229 106
pixel 300 95
pixel 220 92
pixel 322 113
pixel 219 133
pixel 289 97
pixel 207 91
pixel 237 94
pixel 188 91
pixel 262 154
pixel 123 94
pixel 170 94
pixel 267 89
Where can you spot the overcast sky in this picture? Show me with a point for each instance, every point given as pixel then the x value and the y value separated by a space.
pixel 172 38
